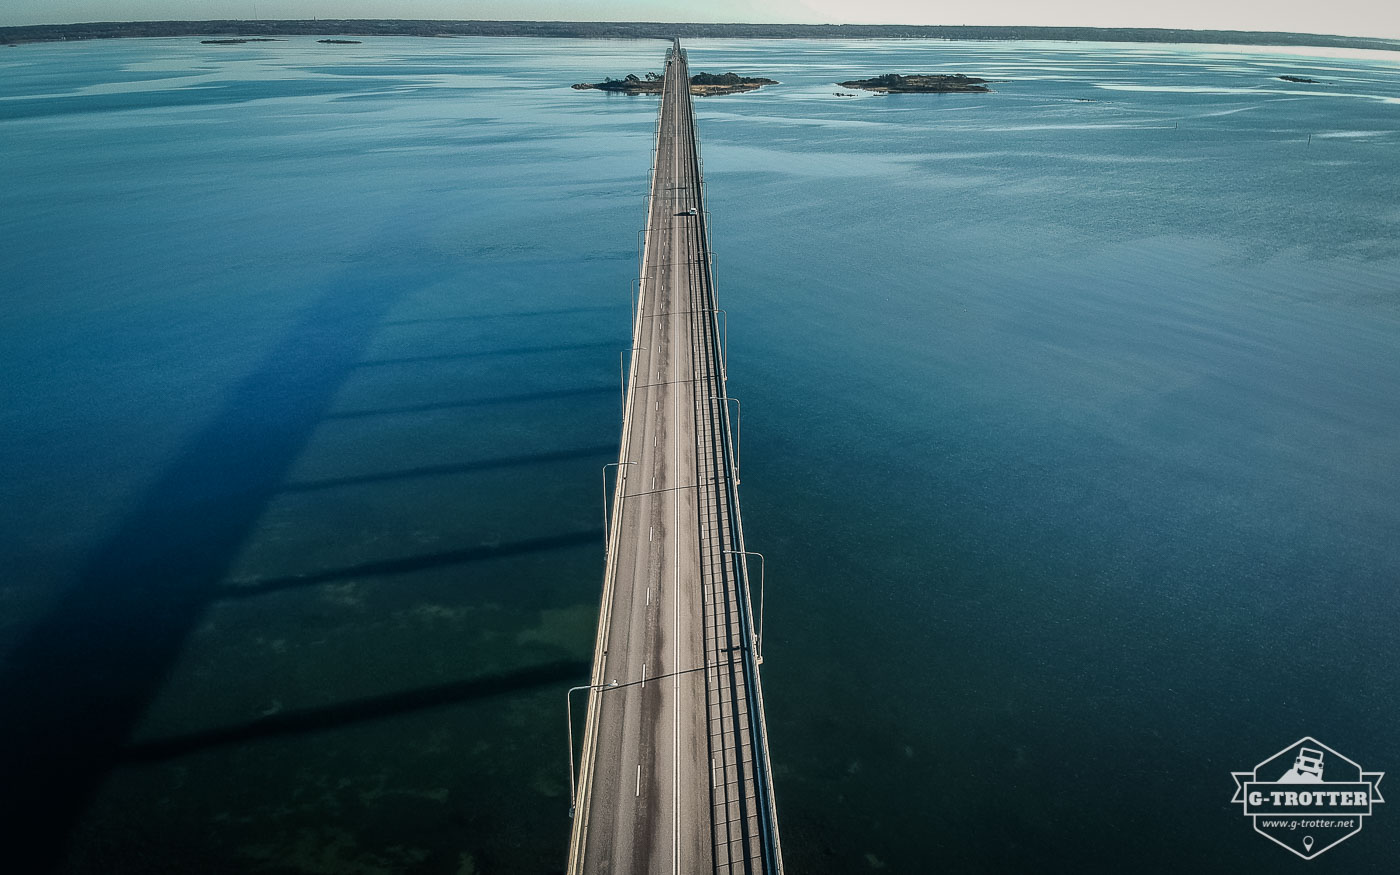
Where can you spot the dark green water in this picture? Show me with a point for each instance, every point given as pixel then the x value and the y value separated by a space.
pixel 1070 436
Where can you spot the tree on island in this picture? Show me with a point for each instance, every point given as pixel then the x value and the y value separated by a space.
pixel 716 79
pixel 704 83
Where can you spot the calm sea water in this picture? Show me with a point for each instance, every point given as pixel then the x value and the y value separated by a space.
pixel 1070 433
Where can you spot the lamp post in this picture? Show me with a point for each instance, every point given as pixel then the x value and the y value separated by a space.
pixel 640 231
pixel 762 577
pixel 605 498
pixel 724 347
pixel 569 709
pixel 622 375
pixel 738 427
pixel 714 285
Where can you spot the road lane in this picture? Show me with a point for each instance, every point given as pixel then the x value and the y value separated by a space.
pixel 660 747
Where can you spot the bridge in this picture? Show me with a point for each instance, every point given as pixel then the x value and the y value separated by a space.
pixel 673 774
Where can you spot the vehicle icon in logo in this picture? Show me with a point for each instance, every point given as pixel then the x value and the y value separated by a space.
pixel 1307 768
pixel 1293 805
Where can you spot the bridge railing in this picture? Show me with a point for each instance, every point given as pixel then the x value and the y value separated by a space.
pixel 612 535
pixel 768 820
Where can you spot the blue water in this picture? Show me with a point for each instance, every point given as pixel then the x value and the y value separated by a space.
pixel 1070 434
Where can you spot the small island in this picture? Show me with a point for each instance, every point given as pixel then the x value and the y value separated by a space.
pixel 340 42
pixel 920 83
pixel 1302 79
pixel 701 84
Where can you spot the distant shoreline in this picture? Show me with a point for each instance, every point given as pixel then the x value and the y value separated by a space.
pixel 658 30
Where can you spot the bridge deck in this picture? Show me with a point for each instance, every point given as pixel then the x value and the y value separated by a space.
pixel 674 773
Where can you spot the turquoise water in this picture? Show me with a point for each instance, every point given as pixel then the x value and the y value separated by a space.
pixel 1070 437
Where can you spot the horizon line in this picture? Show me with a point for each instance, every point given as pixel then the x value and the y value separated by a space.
pixel 1394 42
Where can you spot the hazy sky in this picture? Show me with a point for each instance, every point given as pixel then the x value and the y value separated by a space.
pixel 1351 17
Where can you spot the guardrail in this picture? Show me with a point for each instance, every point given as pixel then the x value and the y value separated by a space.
pixel 580 824
pixel 768 820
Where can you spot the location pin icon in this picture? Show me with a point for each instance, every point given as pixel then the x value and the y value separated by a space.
pixel 1308 843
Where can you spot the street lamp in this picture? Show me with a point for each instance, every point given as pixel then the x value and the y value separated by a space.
pixel 569 708
pixel 738 426
pixel 622 375
pixel 605 498
pixel 708 251
pixel 640 231
pixel 762 576
pixel 724 346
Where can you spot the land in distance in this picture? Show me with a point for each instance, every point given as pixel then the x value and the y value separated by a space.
pixel 920 83
pixel 663 30
pixel 701 84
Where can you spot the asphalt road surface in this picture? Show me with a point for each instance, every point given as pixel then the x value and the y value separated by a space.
pixel 673 773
